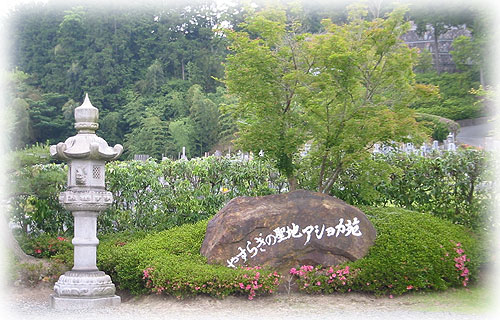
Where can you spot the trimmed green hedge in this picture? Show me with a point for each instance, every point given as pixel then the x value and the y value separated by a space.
pixel 159 195
pixel 413 251
pixel 453 185
pixel 170 262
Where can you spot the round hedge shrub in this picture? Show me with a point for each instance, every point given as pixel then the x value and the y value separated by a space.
pixel 170 262
pixel 412 251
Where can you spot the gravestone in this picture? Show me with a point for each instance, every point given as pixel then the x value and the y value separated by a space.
pixel 287 230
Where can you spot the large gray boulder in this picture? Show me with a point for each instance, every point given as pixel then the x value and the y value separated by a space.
pixel 287 230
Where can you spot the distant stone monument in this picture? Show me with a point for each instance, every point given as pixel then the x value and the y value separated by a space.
pixel 287 230
pixel 85 286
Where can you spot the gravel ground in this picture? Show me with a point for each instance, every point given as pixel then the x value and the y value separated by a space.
pixel 30 304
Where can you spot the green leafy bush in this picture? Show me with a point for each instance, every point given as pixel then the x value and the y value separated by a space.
pixel 170 262
pixel 35 199
pixel 159 195
pixel 147 195
pixel 452 185
pixel 454 100
pixel 45 245
pixel 412 251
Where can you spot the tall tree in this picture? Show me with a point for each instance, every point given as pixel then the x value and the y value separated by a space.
pixel 475 53
pixel 342 91
pixel 204 116
pixel 148 138
pixel 359 93
pixel 264 71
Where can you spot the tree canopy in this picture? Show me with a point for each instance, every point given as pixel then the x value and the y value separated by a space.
pixel 340 91
pixel 157 71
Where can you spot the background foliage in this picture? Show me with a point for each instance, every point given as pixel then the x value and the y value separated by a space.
pixel 140 63
pixel 156 195
pixel 454 186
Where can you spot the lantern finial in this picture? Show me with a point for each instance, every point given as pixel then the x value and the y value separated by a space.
pixel 86 117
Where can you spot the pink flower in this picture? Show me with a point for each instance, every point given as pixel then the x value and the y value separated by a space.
pixel 390 297
pixel 409 287
pixel 318 283
pixel 293 271
pixel 465 272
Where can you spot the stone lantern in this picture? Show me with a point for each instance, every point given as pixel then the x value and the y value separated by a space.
pixel 86 153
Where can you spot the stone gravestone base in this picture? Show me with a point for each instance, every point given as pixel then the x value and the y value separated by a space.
pixel 84 290
pixel 287 231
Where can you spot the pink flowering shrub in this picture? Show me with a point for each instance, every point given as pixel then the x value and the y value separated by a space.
pixel 169 262
pixel 47 246
pixel 324 280
pixel 412 252
pixel 218 281
pixel 461 264
pixel 416 252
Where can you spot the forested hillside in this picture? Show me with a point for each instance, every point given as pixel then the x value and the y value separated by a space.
pixel 151 67
pixel 151 71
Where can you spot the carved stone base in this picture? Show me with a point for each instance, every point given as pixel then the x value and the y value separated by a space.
pixel 68 303
pixel 81 289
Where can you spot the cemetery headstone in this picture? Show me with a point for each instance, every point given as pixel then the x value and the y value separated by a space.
pixel 435 145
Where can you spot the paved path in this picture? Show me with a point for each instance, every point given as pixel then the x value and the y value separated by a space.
pixel 477 135
pixel 32 305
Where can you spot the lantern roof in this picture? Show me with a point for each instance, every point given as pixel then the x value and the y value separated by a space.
pixel 86 144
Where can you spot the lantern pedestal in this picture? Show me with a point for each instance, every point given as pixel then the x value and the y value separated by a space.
pixel 82 290
pixel 84 286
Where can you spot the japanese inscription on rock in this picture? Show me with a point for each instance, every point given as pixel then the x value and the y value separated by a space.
pixel 287 230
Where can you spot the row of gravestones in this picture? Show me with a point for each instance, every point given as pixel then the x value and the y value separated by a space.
pixel 425 149
pixel 449 145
